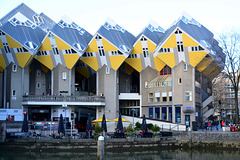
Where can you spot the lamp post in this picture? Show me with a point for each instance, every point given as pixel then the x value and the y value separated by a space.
pixel 133 110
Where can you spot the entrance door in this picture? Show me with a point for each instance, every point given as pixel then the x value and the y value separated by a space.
pixel 187 120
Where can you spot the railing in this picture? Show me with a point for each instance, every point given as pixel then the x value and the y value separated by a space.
pixel 64 98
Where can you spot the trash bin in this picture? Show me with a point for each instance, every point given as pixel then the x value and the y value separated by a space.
pixel 194 126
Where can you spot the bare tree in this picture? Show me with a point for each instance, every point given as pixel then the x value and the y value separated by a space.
pixel 230 43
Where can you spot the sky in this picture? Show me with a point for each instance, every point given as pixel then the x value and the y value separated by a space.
pixel 133 15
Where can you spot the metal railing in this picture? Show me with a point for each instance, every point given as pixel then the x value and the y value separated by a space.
pixel 64 98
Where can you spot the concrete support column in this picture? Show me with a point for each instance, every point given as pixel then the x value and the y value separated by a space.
pixel 167 110
pixel 97 83
pixel 140 76
pixel 51 82
pixel 4 87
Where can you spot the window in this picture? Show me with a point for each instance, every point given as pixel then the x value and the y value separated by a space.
pixel 170 113
pixel 157 112
pixel 145 52
pixel 178 114
pixel 101 51
pixel 30 45
pixel 166 70
pixel 188 95
pixel 42 53
pixel 197 48
pixel 146 84
pixel 180 81
pixel 98 37
pixel 37 19
pixel 178 31
pixel 6 47
pixel 70 51
pixel 132 56
pixel 14 92
pixel 157 97
pixel 2 33
pixel 164 84
pixel 38 85
pixel 170 96
pixel 185 67
pixel 150 97
pixel 164 96
pixel 14 68
pixel 143 39
pixel 180 46
pixel 107 70
pixel 38 73
pixel 55 50
pixel 64 75
pixel 164 50
pixel 169 83
pixel 164 113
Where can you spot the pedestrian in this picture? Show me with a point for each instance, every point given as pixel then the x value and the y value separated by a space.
pixel 222 124
pixel 210 124
pixel 206 125
pixel 217 123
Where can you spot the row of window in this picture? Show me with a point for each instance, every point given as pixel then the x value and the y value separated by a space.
pixel 158 84
pixel 164 50
pixel 155 97
pixel 116 27
pixel 133 56
pixel 117 52
pixel 70 51
pixel 28 23
pixel 166 70
pixel 88 54
pixel 129 103
pixel 22 49
pixel 101 51
pixel 6 47
pixel 42 53
pixel 164 113
pixel 197 48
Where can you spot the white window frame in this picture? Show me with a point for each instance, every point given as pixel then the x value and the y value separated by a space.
pixel 107 70
pixel 38 73
pixel 14 93
pixel 146 84
pixel 164 94
pixel 150 97
pixel 185 67
pixel 157 97
pixel 180 79
pixel 188 95
pixel 14 68
pixel 64 75
pixel 38 85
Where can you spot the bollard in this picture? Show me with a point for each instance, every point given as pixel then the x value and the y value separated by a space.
pixel 100 151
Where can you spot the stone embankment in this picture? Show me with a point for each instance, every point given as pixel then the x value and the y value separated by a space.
pixel 201 140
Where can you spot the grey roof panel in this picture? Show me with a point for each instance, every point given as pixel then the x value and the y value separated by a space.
pixel 72 36
pixel 23 34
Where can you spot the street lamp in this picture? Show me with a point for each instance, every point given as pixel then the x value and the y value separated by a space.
pixel 133 110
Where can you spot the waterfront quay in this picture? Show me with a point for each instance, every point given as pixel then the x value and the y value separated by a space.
pixel 186 140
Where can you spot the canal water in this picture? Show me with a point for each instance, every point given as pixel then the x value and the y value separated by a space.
pixel 122 155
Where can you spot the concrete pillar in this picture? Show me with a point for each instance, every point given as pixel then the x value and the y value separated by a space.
pixel 100 150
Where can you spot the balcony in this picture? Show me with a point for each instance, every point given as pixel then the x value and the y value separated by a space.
pixel 60 100
pixel 129 96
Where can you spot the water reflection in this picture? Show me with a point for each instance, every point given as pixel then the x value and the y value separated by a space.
pixel 122 155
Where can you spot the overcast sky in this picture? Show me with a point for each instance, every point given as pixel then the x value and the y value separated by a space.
pixel 134 15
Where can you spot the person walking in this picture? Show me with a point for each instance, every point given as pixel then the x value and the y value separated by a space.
pixel 222 124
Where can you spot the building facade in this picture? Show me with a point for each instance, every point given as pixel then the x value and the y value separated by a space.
pixel 50 68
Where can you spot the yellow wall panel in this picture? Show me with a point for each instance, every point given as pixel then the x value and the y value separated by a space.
pixel 44 68
pixel 171 42
pixel 196 57
pixel 70 59
pixel 128 69
pixel 1 45
pixel 214 73
pixel 108 46
pixel 209 69
pixel 158 64
pixel 93 46
pixel 116 61
pixel 188 42
pixel 61 45
pixel 203 64
pixel 83 71
pixel 91 62
pixel 46 60
pixel 2 62
pixel 137 48
pixel 1 69
pixel 23 58
pixel 46 46
pixel 167 58
pixel 30 60
pixel 151 46
pixel 135 63
pixel 12 43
